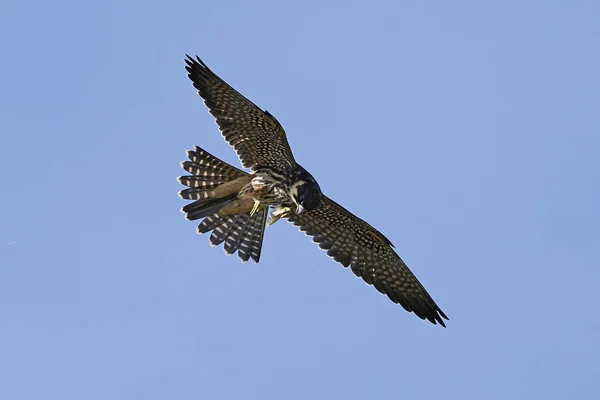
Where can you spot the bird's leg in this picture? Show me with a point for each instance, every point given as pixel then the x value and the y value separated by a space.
pixel 278 213
pixel 255 208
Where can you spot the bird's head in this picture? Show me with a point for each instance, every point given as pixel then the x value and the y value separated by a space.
pixel 306 192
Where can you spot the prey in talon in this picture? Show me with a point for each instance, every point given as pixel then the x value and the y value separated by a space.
pixel 235 203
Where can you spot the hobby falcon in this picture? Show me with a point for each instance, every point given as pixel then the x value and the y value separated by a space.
pixel 234 204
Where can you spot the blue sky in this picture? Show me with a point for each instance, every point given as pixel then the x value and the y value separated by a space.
pixel 468 133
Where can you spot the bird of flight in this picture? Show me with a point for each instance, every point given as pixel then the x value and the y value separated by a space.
pixel 234 204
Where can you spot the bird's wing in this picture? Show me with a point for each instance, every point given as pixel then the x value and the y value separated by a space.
pixel 257 137
pixel 353 242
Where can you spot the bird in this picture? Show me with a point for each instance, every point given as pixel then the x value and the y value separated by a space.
pixel 233 204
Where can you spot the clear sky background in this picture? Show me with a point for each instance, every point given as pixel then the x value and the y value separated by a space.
pixel 468 133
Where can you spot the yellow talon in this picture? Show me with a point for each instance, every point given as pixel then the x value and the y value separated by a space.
pixel 285 212
pixel 255 208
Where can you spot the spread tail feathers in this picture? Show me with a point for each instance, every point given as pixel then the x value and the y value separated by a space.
pixel 214 185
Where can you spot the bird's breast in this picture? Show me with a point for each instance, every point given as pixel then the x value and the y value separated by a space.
pixel 267 187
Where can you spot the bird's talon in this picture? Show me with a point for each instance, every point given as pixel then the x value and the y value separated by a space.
pixel 255 208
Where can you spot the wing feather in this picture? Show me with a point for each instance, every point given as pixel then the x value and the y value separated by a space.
pixel 257 137
pixel 353 242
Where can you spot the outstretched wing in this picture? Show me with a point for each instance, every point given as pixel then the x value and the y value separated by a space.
pixel 257 137
pixel 352 242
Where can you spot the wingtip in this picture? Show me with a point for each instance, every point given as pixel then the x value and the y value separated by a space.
pixel 441 321
pixel 438 318
pixel 443 315
pixel 191 62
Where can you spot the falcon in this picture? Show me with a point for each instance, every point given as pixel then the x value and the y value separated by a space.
pixel 233 204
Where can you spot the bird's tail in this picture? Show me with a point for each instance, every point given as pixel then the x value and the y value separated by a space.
pixel 214 185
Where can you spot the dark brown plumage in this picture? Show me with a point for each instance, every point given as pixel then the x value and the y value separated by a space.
pixel 240 232
pixel 353 242
pixel 257 137
pixel 277 181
